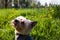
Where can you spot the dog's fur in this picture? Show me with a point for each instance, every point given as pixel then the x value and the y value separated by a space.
pixel 22 28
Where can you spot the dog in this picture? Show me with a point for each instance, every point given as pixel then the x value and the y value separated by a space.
pixel 22 27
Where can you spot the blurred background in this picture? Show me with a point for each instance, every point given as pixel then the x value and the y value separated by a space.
pixel 45 12
pixel 27 3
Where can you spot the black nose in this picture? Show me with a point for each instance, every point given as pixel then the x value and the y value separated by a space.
pixel 16 21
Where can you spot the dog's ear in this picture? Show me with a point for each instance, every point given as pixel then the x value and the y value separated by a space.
pixel 33 23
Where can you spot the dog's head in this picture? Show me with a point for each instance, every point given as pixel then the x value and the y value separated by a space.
pixel 23 24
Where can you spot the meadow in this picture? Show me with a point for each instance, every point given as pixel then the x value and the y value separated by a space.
pixel 47 28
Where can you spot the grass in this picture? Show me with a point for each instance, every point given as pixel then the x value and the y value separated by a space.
pixel 47 27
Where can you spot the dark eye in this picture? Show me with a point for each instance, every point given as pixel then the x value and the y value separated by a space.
pixel 22 22
pixel 16 21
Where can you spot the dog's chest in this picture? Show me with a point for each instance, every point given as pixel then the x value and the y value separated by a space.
pixel 23 37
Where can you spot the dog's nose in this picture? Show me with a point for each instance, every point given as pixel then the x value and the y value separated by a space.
pixel 16 21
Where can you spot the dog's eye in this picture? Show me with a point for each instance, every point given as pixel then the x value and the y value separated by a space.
pixel 22 22
pixel 16 21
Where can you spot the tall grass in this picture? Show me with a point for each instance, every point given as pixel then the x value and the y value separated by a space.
pixel 47 27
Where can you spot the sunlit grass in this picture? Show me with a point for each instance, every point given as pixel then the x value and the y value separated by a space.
pixel 47 27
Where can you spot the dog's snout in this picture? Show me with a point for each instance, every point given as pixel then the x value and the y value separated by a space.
pixel 16 21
